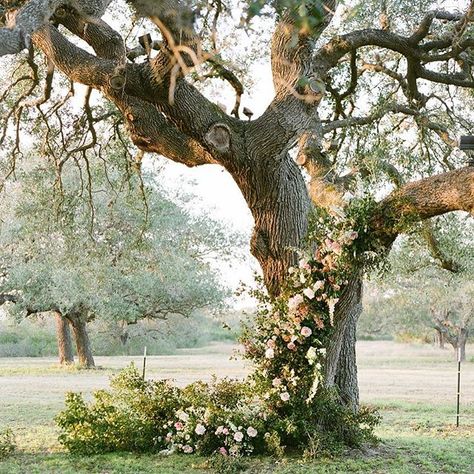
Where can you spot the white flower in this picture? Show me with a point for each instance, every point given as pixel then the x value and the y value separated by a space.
pixel 238 436
pixel 187 449
pixel 252 432
pixel 200 429
pixel 269 353
pixel 309 293
pixel 331 305
pixel 302 278
pixel 291 270
pixel 306 331
pixel 276 382
pixel 219 430
pixel 318 285
pixel 295 301
pixel 182 415
pixel 285 396
pixel 311 355
pixel 322 351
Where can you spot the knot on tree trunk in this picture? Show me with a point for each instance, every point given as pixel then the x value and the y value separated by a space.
pixel 260 244
pixel 218 137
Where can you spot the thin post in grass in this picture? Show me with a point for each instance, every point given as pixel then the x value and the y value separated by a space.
pixel 144 363
pixel 458 396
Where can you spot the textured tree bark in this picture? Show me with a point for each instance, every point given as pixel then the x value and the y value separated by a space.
pixel 341 369
pixel 83 345
pixel 279 202
pixel 346 373
pixel 63 334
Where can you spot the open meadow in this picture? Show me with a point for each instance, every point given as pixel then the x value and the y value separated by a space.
pixel 413 387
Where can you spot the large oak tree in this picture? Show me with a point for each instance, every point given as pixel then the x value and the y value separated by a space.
pixel 165 113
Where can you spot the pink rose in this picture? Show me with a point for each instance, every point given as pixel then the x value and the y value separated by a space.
pixel 306 331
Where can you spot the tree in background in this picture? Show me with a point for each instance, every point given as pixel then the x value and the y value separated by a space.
pixel 143 257
pixel 339 89
pixel 429 286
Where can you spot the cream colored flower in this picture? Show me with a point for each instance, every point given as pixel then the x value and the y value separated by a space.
pixel 252 432
pixel 200 429
pixel 269 353
pixel 309 293
pixel 285 396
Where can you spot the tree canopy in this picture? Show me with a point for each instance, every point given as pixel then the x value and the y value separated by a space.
pixel 142 256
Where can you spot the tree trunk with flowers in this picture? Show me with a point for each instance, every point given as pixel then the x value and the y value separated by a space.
pixel 164 113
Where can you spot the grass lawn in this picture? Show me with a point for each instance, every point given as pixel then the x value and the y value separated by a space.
pixel 413 387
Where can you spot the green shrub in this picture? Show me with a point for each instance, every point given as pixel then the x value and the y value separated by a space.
pixel 7 443
pixel 225 417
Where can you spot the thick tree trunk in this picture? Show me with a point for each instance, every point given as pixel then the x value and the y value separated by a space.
pixel 83 345
pixel 63 334
pixel 279 201
pixel 346 374
pixel 341 369
pixel 277 196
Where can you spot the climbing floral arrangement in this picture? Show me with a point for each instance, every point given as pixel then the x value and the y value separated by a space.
pixel 284 402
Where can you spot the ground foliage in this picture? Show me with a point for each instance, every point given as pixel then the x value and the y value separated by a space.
pixel 7 443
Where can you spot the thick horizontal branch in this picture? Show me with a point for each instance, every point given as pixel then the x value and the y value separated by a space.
pixel 77 64
pixel 152 132
pixel 420 200
pixel 35 14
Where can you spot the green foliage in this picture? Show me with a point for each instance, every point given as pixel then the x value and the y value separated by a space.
pixel 7 443
pixel 306 14
pixel 35 336
pixel 141 416
pixel 138 255
pixel 26 339
pixel 225 418
pixel 401 304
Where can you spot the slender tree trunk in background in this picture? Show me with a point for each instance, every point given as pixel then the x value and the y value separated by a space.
pixel 63 334
pixel 439 338
pixel 346 374
pixel 461 343
pixel 83 345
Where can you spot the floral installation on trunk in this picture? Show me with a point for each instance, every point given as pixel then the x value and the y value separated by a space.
pixel 287 341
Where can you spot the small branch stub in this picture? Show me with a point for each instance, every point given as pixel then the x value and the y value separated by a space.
pixel 218 137
pixel 117 82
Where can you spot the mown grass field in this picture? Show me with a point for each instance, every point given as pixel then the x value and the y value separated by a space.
pixel 413 387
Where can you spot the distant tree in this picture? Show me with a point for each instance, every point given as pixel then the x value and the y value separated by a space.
pixel 120 251
pixel 430 285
